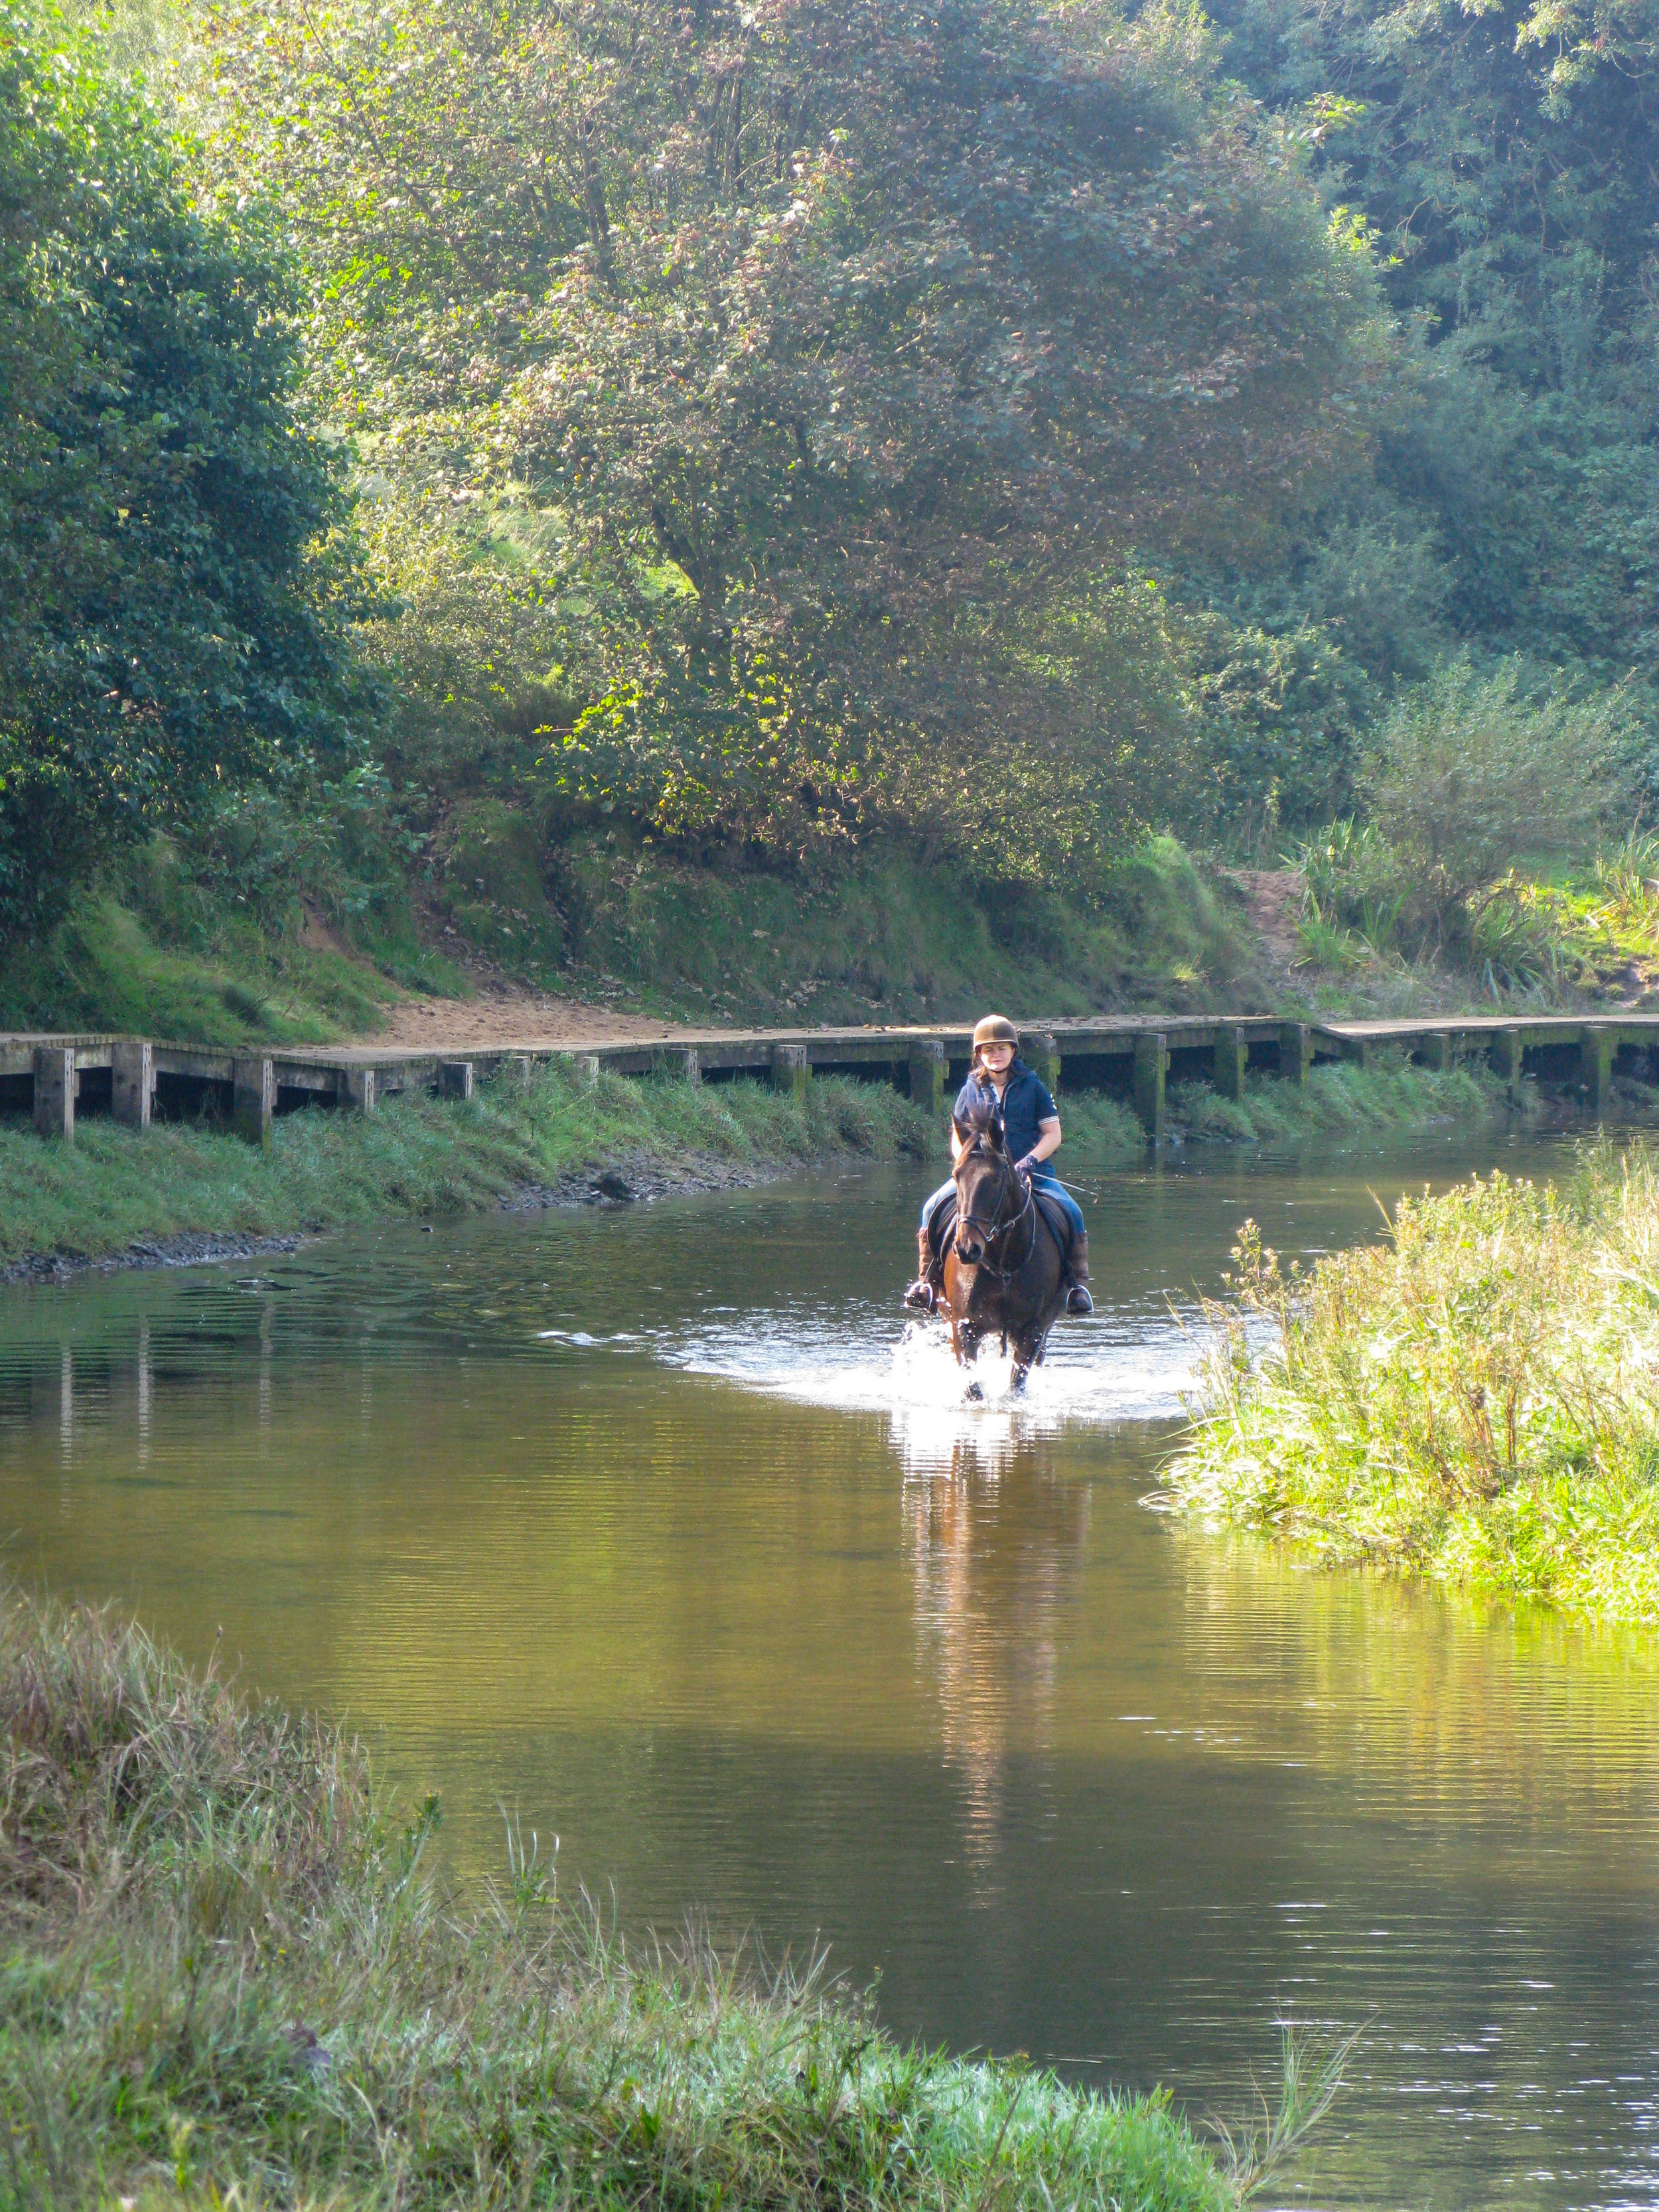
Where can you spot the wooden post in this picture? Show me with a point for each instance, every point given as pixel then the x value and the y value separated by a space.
pixel 1232 1057
pixel 133 1083
pixel 54 1091
pixel 253 1098
pixel 1150 1071
pixel 1506 1060
pixel 926 1075
pixel 1042 1053
pixel 1295 1052
pixel 790 1070
pixel 1597 1047
pixel 360 1087
pixel 455 1078
pixel 1437 1052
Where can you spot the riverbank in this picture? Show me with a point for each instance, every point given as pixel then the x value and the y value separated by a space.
pixel 229 1970
pixel 184 1193
pixel 116 1196
pixel 1470 1403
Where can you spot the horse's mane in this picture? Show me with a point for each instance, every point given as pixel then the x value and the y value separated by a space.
pixel 981 1120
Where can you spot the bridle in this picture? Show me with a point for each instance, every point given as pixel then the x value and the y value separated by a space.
pixel 999 1225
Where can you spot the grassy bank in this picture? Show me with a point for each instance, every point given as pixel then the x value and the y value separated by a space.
pixel 420 1157
pixel 886 936
pixel 227 1971
pixel 1338 1096
pixel 1471 1401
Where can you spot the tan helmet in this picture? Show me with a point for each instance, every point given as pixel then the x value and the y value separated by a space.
pixel 995 1029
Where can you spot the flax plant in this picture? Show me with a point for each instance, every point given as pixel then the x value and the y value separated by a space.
pixel 1473 1401
pixel 230 1977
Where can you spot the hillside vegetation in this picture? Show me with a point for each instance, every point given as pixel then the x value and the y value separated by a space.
pixel 798 509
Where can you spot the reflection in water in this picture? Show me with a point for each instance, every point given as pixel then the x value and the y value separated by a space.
pixel 990 1558
pixel 145 1381
pixel 660 1530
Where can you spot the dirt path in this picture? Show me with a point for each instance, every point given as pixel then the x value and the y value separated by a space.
pixel 1274 899
pixel 505 1014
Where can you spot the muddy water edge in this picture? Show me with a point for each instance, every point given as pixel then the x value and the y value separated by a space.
pixel 643 1528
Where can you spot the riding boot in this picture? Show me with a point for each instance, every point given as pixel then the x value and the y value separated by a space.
pixel 923 1293
pixel 1077 1300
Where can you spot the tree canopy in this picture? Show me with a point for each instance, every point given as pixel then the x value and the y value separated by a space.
pixel 163 624
pixel 767 423
pixel 854 349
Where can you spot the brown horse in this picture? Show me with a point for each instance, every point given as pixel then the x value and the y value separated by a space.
pixel 1004 1271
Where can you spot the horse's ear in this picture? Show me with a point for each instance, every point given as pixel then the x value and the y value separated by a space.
pixel 994 1131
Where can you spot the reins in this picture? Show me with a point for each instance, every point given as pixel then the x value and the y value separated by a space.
pixel 999 1227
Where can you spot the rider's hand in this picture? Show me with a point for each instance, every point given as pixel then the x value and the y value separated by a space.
pixel 1026 1166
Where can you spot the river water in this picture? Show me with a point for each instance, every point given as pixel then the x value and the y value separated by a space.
pixel 647 1530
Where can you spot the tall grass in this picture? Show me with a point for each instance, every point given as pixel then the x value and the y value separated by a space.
pixel 1474 1401
pixel 229 1975
pixel 114 1188
pixel 1337 1097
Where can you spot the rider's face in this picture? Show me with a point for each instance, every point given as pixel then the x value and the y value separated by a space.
pixel 996 1059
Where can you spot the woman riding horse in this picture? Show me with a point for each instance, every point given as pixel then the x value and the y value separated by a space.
pixel 999 1083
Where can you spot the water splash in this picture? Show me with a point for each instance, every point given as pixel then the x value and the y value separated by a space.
pixel 858 1358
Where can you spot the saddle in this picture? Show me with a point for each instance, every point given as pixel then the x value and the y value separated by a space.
pixel 1058 1221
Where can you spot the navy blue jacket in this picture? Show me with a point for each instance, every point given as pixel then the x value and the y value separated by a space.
pixel 1024 1104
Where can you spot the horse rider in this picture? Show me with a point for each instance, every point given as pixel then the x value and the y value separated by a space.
pixel 999 1082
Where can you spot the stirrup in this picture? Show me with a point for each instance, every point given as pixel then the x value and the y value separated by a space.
pixel 921 1295
pixel 1077 1300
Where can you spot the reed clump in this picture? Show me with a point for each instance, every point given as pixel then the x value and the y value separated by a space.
pixel 1475 1401
pixel 229 1976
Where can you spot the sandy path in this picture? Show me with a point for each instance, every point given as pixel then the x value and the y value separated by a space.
pixel 504 1014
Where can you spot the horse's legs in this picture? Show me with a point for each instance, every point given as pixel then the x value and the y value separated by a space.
pixel 968 1353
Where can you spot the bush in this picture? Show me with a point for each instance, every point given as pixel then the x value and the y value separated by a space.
pixel 1470 1401
pixel 1471 774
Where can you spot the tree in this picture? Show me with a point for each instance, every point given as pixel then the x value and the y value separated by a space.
pixel 1505 156
pixel 166 618
pixel 851 345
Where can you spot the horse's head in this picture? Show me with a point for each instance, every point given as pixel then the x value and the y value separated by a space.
pixel 983 1175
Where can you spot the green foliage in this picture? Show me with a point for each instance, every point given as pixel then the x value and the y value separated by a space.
pixel 1282 716
pixel 164 584
pixel 1470 1401
pixel 1501 157
pixel 493 870
pixel 115 1186
pixel 1338 1097
pixel 1472 774
pixel 101 969
pixel 1466 777
pixel 892 936
pixel 231 1976
pixel 805 382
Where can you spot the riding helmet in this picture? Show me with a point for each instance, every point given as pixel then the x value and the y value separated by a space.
pixel 995 1029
